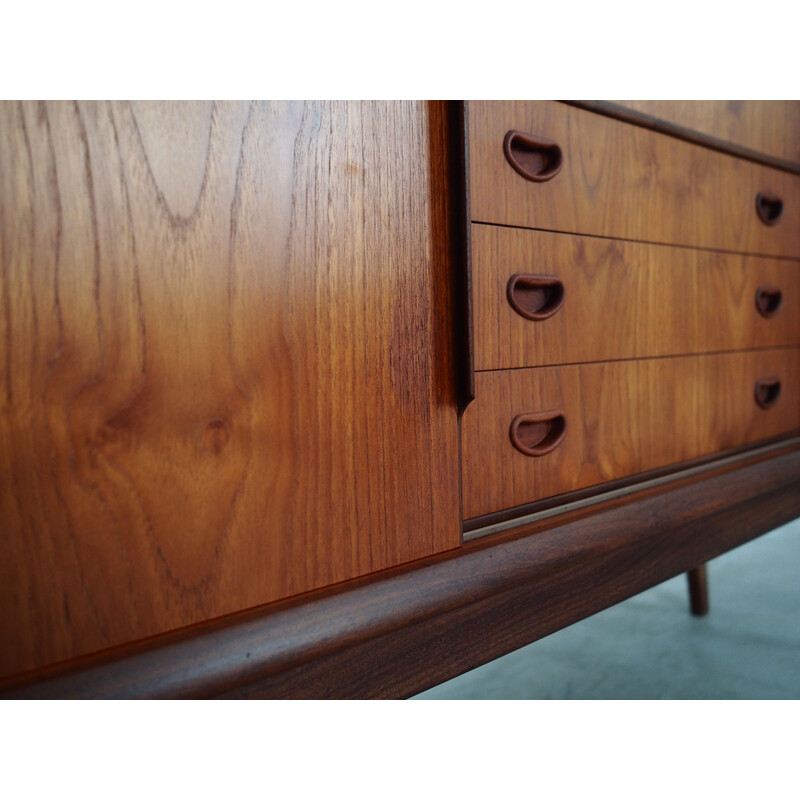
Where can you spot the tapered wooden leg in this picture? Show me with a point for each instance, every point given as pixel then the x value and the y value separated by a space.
pixel 698 590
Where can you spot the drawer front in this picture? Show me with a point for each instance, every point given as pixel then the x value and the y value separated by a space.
pixel 624 181
pixel 771 127
pixel 617 300
pixel 620 418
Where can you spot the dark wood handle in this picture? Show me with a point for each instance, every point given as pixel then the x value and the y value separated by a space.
pixel 534 158
pixel 769 208
pixel 535 296
pixel 768 300
pixel 767 392
pixel 538 434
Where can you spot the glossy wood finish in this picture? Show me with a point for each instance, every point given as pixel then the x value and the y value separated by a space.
pixel 771 127
pixel 624 181
pixel 622 418
pixel 624 300
pixel 509 518
pixel 632 116
pixel 226 360
pixel 411 628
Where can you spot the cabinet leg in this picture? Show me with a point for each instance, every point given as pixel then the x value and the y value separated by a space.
pixel 698 590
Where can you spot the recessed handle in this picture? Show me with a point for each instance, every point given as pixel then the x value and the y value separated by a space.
pixel 767 392
pixel 769 208
pixel 768 300
pixel 538 434
pixel 534 158
pixel 535 296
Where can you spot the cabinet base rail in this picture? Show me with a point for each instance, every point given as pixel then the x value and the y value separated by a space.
pixel 404 630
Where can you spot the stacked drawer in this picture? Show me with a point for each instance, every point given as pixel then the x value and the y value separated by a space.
pixel 636 303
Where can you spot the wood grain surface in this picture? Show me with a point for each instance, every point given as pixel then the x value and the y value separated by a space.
pixel 771 127
pixel 458 609
pixel 623 181
pixel 226 360
pixel 622 418
pixel 623 299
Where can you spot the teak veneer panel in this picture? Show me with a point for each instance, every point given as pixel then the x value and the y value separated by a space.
pixel 626 182
pixel 623 300
pixel 771 127
pixel 622 418
pixel 226 352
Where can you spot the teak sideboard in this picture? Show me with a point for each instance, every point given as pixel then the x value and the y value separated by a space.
pixel 342 399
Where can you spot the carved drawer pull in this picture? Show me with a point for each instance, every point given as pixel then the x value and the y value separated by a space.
pixel 768 300
pixel 769 208
pixel 534 158
pixel 538 434
pixel 767 392
pixel 535 296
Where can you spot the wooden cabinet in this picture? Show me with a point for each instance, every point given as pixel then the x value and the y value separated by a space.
pixel 225 346
pixel 606 256
pixel 239 456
